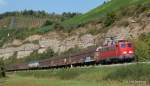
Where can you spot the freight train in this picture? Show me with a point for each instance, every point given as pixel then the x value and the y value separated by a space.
pixel 114 51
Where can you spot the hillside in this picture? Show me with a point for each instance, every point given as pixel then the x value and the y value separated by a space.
pixel 22 22
pixel 101 11
pixel 31 19
pixel 128 18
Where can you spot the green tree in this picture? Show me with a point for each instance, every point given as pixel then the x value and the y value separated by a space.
pixel 142 46
pixel 48 22
pixel 142 51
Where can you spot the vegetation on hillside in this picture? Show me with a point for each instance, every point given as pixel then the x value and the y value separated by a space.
pixel 50 22
pixel 39 14
pixel 36 57
pixel 142 47
pixel 102 11
pixel 133 72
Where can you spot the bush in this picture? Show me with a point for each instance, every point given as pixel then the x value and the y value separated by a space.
pixel 14 34
pixel 132 72
pixel 35 56
pixel 12 59
pixel 2 69
pixel 45 29
pixel 109 19
pixel 71 51
pixel 142 46
pixel 48 22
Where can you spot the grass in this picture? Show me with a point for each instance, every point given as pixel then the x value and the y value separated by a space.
pixel 101 11
pixel 132 72
pixel 82 77
pixel 120 74
pixel 15 80
pixel 31 81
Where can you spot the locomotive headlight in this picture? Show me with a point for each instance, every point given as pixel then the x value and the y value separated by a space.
pixel 130 52
pixel 124 52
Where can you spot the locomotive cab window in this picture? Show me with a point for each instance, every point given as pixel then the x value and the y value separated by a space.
pixel 129 45
pixel 123 45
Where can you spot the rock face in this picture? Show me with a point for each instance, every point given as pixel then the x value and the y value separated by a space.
pixel 22 51
pixel 58 45
pixel 6 55
pixel 135 27
pixel 61 42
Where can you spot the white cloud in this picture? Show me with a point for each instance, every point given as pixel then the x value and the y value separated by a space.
pixel 3 3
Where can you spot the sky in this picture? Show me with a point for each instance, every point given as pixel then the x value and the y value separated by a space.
pixel 57 6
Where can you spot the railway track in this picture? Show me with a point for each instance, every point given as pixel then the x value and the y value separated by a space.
pixel 95 66
pixel 122 64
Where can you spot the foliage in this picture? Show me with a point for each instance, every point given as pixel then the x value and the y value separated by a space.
pixel 2 68
pixel 11 60
pixel 132 72
pixel 110 19
pixel 38 14
pixel 104 10
pixel 35 56
pixel 69 15
pixel 44 30
pixel 71 51
pixel 48 22
pixel 109 13
pixel 25 13
pixel 21 32
pixel 7 35
pixel 142 46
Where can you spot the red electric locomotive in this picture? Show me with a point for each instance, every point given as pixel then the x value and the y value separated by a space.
pixel 122 50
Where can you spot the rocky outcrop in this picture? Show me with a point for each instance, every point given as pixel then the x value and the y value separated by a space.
pixel 58 45
pixel 135 27
pixel 22 51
